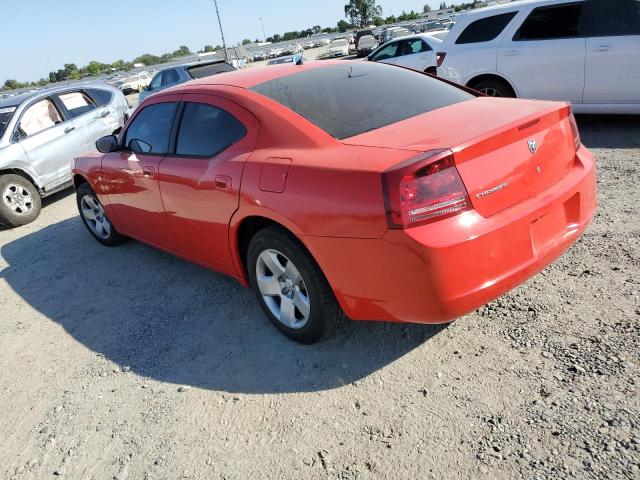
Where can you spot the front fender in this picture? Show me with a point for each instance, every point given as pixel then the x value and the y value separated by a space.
pixel 25 169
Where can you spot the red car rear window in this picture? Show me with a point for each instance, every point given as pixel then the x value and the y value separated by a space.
pixel 358 97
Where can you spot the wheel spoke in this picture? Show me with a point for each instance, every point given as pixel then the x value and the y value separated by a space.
pixel 301 301
pixel 270 259
pixel 268 285
pixel 287 311
pixel 292 273
pixel 88 213
pixel 99 229
pixel 107 227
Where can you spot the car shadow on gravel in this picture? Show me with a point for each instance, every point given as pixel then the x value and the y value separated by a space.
pixel 609 131
pixel 173 321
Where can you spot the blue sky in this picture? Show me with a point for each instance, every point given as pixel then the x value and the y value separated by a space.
pixel 78 31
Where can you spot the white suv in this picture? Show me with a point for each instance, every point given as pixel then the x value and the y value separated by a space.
pixel 586 52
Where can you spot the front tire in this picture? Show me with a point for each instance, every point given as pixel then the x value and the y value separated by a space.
pixel 20 203
pixel 290 287
pixel 95 219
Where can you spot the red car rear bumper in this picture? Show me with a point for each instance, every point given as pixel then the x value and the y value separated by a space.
pixel 437 272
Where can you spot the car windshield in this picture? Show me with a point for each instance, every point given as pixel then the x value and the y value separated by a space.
pixel 347 100
pixel 5 116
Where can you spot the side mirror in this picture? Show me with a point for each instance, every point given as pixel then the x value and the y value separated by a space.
pixel 139 146
pixel 107 144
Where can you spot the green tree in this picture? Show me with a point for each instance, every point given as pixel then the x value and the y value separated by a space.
pixel 343 26
pixel 426 9
pixel 246 41
pixel 443 6
pixel 362 12
pixel 182 51
pixel 209 48
pixel 94 68
pixel 11 85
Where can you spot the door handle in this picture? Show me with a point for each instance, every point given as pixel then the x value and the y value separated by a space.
pixel 69 129
pixel 147 172
pixel 222 182
pixel 103 114
pixel 602 48
pixel 512 53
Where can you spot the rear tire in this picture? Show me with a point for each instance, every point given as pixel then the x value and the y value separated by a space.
pixel 20 201
pixel 290 287
pixel 494 88
pixel 95 219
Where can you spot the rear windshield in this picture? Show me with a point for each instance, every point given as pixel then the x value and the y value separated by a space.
pixel 347 100
pixel 5 115
pixel 201 71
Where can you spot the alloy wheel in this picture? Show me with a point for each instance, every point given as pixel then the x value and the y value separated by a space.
pixel 95 217
pixel 490 92
pixel 18 199
pixel 283 289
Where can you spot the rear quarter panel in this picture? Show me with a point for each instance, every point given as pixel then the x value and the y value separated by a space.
pixel 334 192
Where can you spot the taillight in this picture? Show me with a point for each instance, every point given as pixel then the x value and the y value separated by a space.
pixel 440 58
pixel 423 189
pixel 574 130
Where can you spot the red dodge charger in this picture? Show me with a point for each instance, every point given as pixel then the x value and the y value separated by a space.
pixel 345 187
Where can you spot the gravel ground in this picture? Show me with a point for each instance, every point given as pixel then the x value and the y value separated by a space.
pixel 129 363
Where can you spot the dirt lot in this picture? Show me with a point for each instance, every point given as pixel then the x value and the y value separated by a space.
pixel 129 363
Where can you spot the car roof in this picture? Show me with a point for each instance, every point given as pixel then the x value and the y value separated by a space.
pixel 19 99
pixel 251 77
pixel 425 36
pixel 481 12
pixel 197 63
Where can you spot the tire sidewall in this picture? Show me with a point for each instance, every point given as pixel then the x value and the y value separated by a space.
pixel 502 87
pixel 114 237
pixel 316 325
pixel 7 216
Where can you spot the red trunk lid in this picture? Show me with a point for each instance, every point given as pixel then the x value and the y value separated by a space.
pixel 505 150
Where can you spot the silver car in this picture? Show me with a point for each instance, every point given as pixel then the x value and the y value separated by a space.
pixel 40 135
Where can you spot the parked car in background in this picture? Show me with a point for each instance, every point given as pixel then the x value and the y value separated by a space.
pixel 133 83
pixel 585 52
pixel 172 76
pixel 275 52
pixel 334 187
pixel 40 135
pixel 287 59
pixel 339 48
pixel 417 52
pixel 395 32
pixel 363 33
pixel 366 45
pixel 258 56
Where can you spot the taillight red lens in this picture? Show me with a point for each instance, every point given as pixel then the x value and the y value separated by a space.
pixel 574 130
pixel 440 58
pixel 423 190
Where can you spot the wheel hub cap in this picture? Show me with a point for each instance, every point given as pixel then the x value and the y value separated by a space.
pixel 283 289
pixel 18 199
pixel 94 216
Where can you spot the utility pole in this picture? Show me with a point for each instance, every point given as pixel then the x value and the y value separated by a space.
pixel 224 44
pixel 264 35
